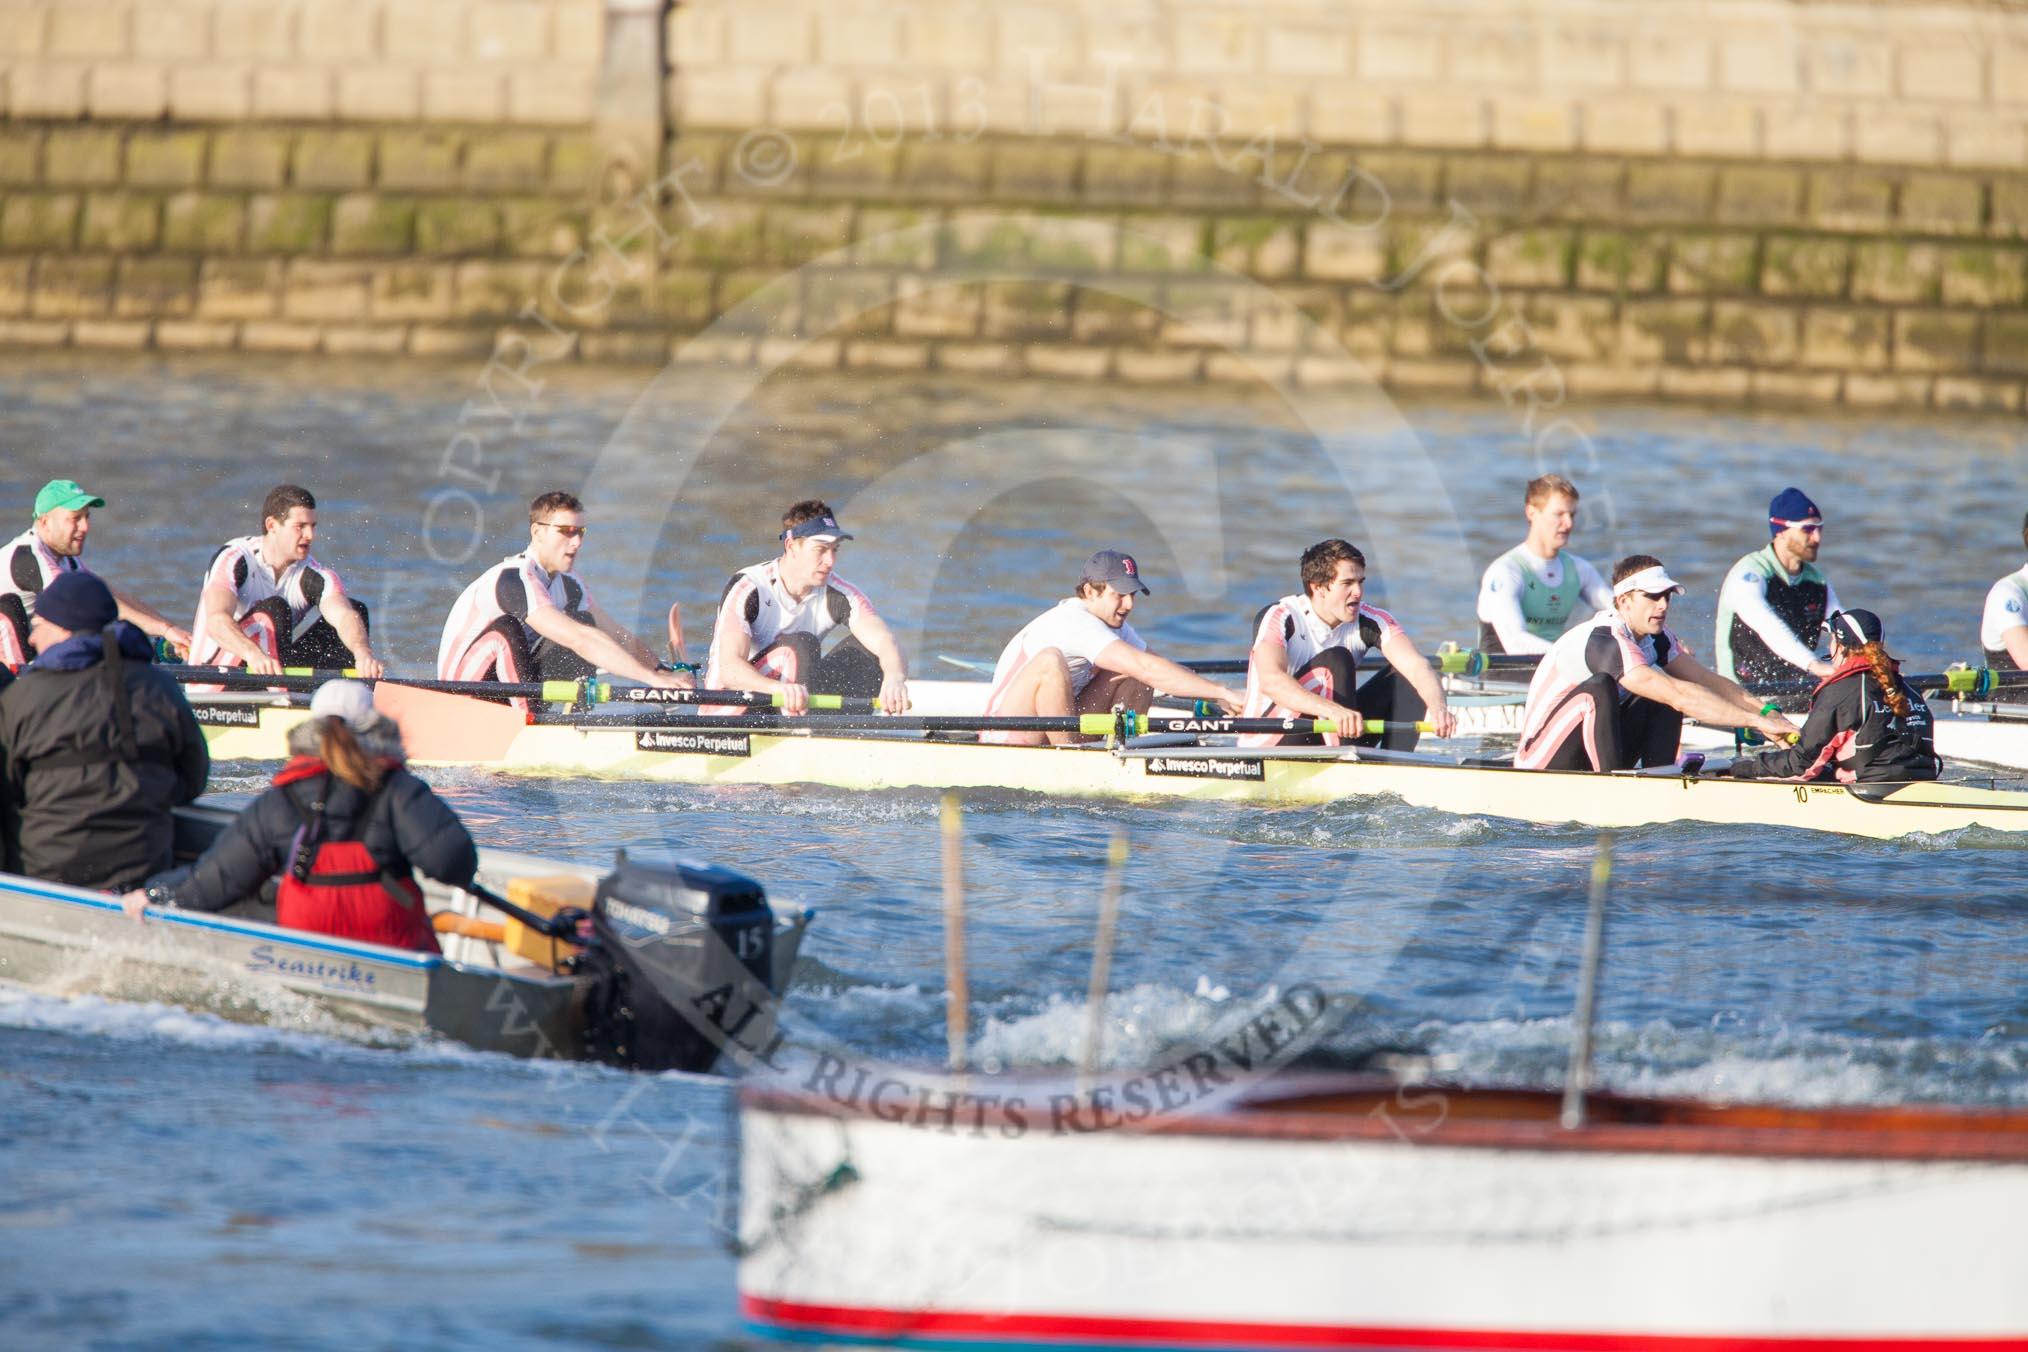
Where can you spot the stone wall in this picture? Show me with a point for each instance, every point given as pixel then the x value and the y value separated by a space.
pixel 1546 200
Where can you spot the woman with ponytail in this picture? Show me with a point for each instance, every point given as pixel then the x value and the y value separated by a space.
pixel 344 826
pixel 1866 724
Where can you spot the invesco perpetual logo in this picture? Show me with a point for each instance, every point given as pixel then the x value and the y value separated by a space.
pixel 1364 475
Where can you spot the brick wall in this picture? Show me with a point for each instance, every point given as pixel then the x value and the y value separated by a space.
pixel 1543 201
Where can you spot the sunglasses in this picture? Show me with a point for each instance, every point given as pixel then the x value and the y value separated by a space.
pixel 567 532
pixel 1806 527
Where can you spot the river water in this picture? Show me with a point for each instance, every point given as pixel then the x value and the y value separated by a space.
pixel 191 1180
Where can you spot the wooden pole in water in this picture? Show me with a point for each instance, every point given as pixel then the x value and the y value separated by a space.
pixel 1102 959
pixel 957 1012
pixel 1577 1079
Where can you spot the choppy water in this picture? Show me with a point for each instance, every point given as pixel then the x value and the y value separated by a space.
pixel 180 1179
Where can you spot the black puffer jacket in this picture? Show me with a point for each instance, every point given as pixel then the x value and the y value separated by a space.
pixel 1853 736
pixel 84 810
pixel 406 827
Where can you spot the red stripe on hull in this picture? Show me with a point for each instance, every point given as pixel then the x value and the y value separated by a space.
pixel 1095 1330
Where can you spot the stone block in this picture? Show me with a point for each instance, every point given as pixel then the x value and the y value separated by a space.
pixel 1666 57
pixel 1071 243
pixel 1158 366
pixel 1338 372
pixel 290 223
pixel 1714 264
pixel 379 94
pixel 1206 314
pixel 985 241
pixel 1755 334
pixel 1126 175
pixel 403 291
pixel 1940 204
pixel 39 221
pixel 580 32
pixel 848 302
pixel 1806 130
pixel 367 223
pixel 1632 124
pixel 1847 339
pixel 730 235
pixel 1709 384
pixel 86 28
pixel 1572 328
pixel 1582 55
pixel 1343 115
pixel 16 285
pixel 166 159
pixel 20 156
pixel 1867 391
pixel 152 288
pixel 1795 387
pixel 130 90
pixel 1961 394
pixel 475 96
pixel 2006 345
pixel 1896 271
pixel 987 359
pixel 1290 49
pixel 1613 379
pixel 338 31
pixel 192 335
pixel 484 289
pixel 47 89
pixel 1534 122
pixel 1490 185
pixel 120 222
pixel 1296 319
pixel 834 170
pixel 1447 120
pixel 1850 199
pixel 72 288
pixel 456 227
pixel 1723 128
pixel 1222 181
pixel 314 289
pixel 1763 61
pixel 1620 261
pixel 881 356
pixel 1333 252
pixel 937 309
pixel 1409 53
pixel 725 96
pixel 294 93
pixel 1433 375
pixel 1129 310
pixel 440 340
pixel 1944 72
pixel 1035 172
pixel 1026 309
pixel 364 340
pixel 577 166
pixel 817 100
pixel 34 332
pixel 257 30
pixel 265 335
pixel 126 335
pixel 1163 244
pixel 1898 136
pixel 1365 189
pixel 85 156
pixel 944 170
pixel 429 34
pixel 507 162
pixel 552 95
pixel 509 32
pixel 540 227
pixel 168 31
pixel 695 35
pixel 902 238
pixel 682 297
pixel 1759 196
pixel 2010 207
pixel 210 93
pixel 333 160
pixel 1805 265
pixel 1261 246
pixel 203 223
pixel 1982 140
pixel 1664 331
pixel 1987 277
pixel 1936 340
pixel 1532 258
pixel 1670 192
pixel 1849 65
pixel 243 157
pixel 769 34
pixel 420 161
pixel 797 235
pixel 1214 42
pixel 1420 249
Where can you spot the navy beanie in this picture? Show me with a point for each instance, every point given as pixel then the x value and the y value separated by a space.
pixel 78 602
pixel 1791 504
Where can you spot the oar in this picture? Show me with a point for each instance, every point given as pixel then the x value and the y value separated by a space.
pixel 1972 681
pixel 547 692
pixel 1088 725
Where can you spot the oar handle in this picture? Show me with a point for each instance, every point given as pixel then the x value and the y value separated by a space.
pixel 1135 725
pixel 562 925
pixel 546 692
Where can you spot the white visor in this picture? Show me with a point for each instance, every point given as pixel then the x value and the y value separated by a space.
pixel 1654 581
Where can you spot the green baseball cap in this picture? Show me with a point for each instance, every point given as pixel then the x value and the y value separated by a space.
pixel 64 493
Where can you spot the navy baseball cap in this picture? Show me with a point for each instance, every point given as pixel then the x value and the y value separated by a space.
pixel 1115 570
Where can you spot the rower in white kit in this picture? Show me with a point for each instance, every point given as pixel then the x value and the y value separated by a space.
pixel 1537 589
pixel 268 603
pixel 2003 629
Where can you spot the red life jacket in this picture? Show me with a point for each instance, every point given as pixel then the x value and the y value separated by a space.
pixel 336 887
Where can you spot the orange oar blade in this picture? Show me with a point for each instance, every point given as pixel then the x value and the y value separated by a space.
pixel 676 651
pixel 449 922
pixel 440 727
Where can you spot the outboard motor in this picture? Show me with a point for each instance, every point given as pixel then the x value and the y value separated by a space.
pixel 684 963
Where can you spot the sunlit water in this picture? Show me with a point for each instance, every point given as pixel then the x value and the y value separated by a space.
pixel 182 1179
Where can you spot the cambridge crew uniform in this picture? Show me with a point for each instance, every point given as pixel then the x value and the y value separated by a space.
pixel 487 638
pixel 1527 601
pixel 785 637
pixel 1325 661
pixel 31 565
pixel 2006 607
pixel 1853 735
pixel 282 613
pixel 1578 715
pixel 1769 624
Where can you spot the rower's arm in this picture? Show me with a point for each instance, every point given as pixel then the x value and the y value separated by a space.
pixel 592 643
pixel 351 631
pixel 874 635
pixel 732 646
pixel 1500 606
pixel 1400 651
pixel 1161 674
pixel 1703 695
pixel 1749 603
pixel 2016 641
pixel 218 605
pixel 620 634
pixel 1270 663
pixel 151 621
pixel 1684 667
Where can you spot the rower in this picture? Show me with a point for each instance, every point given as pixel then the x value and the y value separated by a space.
pixel 63 517
pixel 1866 724
pixel 268 604
pixel 1772 607
pixel 2003 633
pixel 1081 656
pixel 1612 694
pixel 773 618
pixel 530 618
pixel 1305 658
pixel 1533 592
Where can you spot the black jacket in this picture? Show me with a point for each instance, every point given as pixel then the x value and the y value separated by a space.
pixel 89 807
pixel 406 827
pixel 1853 736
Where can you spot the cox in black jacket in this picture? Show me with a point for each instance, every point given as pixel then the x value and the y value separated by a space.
pixel 1853 735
